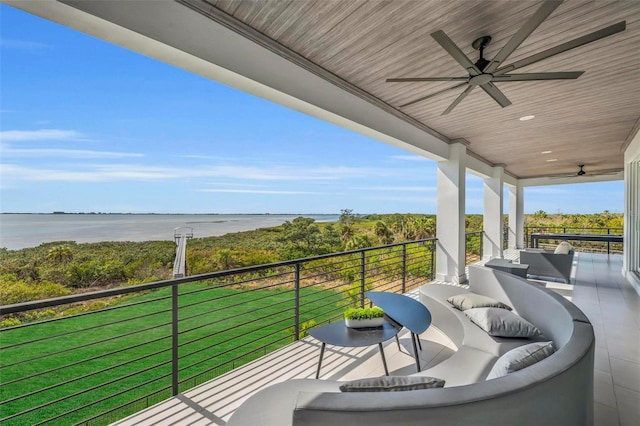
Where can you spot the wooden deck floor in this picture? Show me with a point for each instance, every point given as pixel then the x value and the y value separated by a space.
pixel 597 288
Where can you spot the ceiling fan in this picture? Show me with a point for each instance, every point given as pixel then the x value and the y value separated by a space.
pixel 581 172
pixel 484 73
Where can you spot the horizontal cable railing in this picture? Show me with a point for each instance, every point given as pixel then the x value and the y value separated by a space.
pixel 473 247
pixel 97 357
pixel 584 246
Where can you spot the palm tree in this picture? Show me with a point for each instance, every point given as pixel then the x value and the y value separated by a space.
pixel 59 254
pixel 384 233
pixel 358 241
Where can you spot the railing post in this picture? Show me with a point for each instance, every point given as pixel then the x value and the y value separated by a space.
pixel 174 339
pixel 362 278
pixel 466 248
pixel 404 268
pixel 296 319
pixel 481 244
pixel 433 250
pixel 608 242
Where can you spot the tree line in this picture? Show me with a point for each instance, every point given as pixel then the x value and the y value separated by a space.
pixel 64 267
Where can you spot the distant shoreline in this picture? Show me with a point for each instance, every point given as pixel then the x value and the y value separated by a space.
pixel 25 230
pixel 175 214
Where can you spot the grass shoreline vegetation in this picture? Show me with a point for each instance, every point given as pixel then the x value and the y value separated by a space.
pixel 65 267
pixel 99 361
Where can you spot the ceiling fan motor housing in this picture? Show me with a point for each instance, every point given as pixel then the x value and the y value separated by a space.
pixel 479 44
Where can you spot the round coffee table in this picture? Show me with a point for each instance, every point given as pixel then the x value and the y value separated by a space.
pixel 406 312
pixel 338 334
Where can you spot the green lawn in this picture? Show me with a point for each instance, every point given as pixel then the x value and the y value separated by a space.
pixel 125 353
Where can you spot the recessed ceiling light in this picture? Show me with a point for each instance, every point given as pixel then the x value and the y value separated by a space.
pixel 527 117
pixel 552 160
pixel 546 152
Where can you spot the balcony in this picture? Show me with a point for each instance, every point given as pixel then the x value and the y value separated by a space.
pixel 339 76
pixel 214 340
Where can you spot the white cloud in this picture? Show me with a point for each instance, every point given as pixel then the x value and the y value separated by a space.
pixel 202 157
pixel 256 191
pixel 403 199
pixel 241 185
pixel 141 172
pixel 400 188
pixel 41 135
pixel 7 151
pixel 409 158
pixel 293 173
pixel 7 43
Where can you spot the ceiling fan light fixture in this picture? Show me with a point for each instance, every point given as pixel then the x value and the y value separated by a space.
pixel 527 118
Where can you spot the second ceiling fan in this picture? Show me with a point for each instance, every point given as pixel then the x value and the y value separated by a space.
pixel 483 73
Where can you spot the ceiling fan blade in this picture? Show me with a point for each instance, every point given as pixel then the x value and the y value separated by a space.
pixel 571 75
pixel 534 22
pixel 496 94
pixel 458 99
pixel 562 176
pixel 433 94
pixel 604 172
pixel 453 50
pixel 580 41
pixel 410 79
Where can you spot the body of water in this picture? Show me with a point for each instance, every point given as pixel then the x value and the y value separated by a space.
pixel 18 231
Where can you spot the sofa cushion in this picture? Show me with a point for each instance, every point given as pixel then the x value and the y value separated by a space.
pixel 391 384
pixel 472 300
pixel 521 357
pixel 563 248
pixel 499 322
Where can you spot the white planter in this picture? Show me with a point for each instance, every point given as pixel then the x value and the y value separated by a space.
pixel 364 323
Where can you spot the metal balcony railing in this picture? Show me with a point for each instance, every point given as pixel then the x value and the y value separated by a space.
pixel 97 357
pixel 473 246
pixel 585 246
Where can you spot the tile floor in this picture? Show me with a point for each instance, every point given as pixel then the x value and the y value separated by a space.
pixel 614 310
pixel 597 288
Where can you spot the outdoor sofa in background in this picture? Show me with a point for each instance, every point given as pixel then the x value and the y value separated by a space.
pixel 545 263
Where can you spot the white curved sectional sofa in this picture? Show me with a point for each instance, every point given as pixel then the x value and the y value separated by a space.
pixel 555 391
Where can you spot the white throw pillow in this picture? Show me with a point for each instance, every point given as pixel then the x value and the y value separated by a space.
pixel 501 322
pixel 520 357
pixel 472 300
pixel 391 384
pixel 563 248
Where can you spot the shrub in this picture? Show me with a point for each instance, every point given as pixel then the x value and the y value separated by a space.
pixel 9 322
pixel 39 315
pixel 88 274
pixel 304 330
pixel 19 291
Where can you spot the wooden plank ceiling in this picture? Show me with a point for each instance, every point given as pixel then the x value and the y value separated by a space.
pixel 584 121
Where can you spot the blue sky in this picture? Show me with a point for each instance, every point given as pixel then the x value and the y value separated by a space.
pixel 88 126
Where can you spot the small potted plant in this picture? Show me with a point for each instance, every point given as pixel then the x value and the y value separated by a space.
pixel 364 317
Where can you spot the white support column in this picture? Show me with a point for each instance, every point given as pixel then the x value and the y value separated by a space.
pixel 493 217
pixel 631 244
pixel 516 216
pixel 450 222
